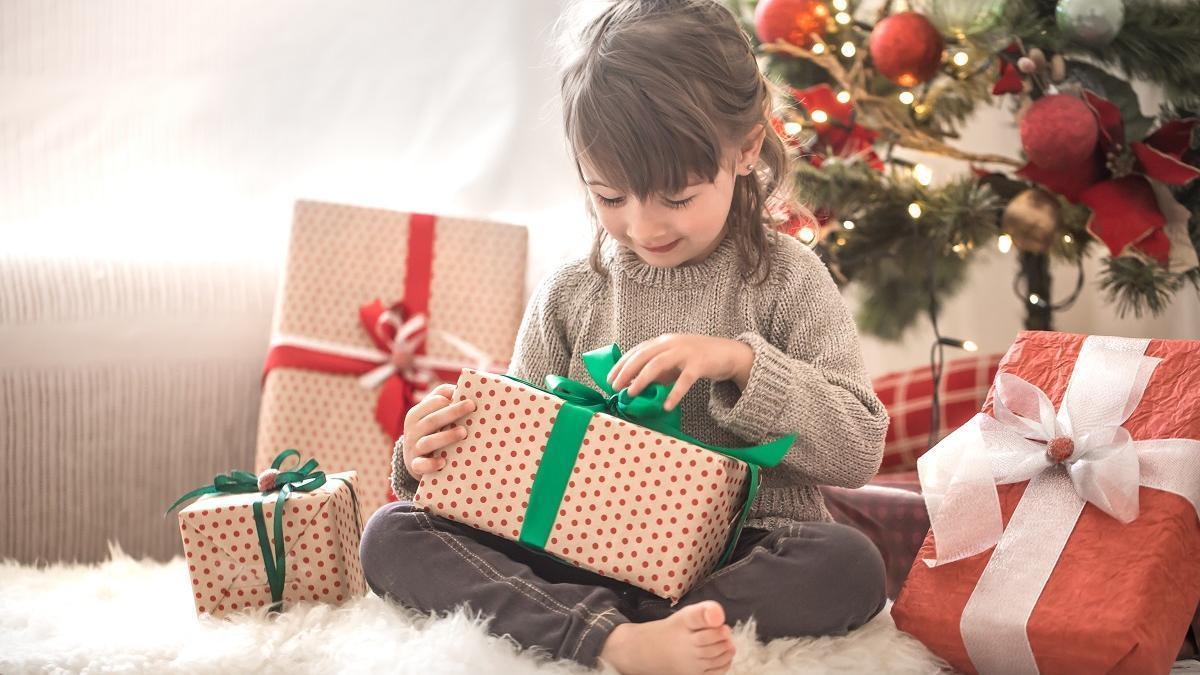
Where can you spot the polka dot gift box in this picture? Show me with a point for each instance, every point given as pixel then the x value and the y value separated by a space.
pixel 376 307
pixel 606 482
pixel 273 539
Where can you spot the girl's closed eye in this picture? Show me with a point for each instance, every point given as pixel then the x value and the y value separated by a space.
pixel 614 203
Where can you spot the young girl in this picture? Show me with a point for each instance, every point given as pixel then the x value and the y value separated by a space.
pixel 666 114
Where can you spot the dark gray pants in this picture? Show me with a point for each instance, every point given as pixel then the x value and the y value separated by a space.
pixel 806 579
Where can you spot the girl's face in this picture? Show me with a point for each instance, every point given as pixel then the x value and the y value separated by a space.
pixel 666 230
pixel 678 229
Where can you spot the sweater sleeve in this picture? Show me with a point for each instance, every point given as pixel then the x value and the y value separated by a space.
pixel 808 379
pixel 542 347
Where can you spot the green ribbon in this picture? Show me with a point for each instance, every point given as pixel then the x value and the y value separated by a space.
pixel 580 404
pixel 305 478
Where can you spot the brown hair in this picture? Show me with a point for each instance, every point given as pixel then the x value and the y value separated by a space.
pixel 655 91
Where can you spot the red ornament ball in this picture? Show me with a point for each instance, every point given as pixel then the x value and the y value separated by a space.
pixel 1059 132
pixel 906 48
pixel 792 20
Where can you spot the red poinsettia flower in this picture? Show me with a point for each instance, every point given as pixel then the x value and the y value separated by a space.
pixel 1124 209
pixel 1009 81
pixel 838 134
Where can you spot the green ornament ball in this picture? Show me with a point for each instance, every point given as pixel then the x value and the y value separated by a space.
pixel 1093 23
pixel 961 18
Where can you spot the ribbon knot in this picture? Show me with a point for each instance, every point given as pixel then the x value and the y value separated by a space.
pixel 1059 449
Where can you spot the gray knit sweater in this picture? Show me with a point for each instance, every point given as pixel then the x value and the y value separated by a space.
pixel 807 376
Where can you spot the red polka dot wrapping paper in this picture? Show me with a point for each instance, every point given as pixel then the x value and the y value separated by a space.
pixel 640 506
pixel 1121 596
pixel 321 537
pixel 341 257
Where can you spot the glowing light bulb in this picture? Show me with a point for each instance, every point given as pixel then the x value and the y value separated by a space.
pixel 923 174
pixel 842 18
pixel 818 48
pixel 914 210
pixel 807 234
pixel 792 128
pixel 848 49
pixel 847 224
pixel 906 97
pixel 843 97
pixel 958 248
pixel 1004 243
pixel 841 5
pixel 1067 239
pixel 1034 298
pixel 960 59
pixel 819 116
pixel 970 346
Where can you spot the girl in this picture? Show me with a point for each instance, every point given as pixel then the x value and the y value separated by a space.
pixel 666 114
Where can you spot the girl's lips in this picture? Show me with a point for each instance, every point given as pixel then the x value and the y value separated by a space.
pixel 663 249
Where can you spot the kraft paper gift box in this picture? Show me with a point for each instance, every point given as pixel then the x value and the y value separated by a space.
pixel 602 481
pixel 1064 517
pixel 375 309
pixel 273 540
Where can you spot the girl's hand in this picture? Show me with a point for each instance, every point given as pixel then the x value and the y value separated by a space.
pixel 429 426
pixel 682 359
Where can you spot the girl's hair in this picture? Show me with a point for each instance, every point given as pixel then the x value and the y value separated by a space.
pixel 655 92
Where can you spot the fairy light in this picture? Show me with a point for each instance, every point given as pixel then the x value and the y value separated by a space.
pixel 843 97
pixel 848 49
pixel 842 18
pixel 820 117
pixel 847 224
pixel 841 5
pixel 1004 243
pixel 1067 239
pixel 792 128
pixel 906 97
pixel 960 59
pixel 1037 300
pixel 923 174
pixel 807 234
pixel 968 345
pixel 818 48
pixel 841 241
pixel 958 248
pixel 914 210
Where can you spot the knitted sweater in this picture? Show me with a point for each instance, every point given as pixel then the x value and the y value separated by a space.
pixel 807 376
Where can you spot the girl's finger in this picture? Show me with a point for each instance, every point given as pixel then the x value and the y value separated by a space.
pixel 430 444
pixel 637 361
pixel 686 379
pixel 446 415
pixel 661 363
pixel 424 465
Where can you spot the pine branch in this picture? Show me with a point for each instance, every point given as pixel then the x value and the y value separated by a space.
pixel 1136 285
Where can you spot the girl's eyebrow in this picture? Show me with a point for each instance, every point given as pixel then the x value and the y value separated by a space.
pixel 596 182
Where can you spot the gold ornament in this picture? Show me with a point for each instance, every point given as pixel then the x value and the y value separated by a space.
pixel 1032 218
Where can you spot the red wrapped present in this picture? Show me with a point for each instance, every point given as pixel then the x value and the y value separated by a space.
pixel 606 482
pixel 1066 515
pixel 908 397
pixel 348 360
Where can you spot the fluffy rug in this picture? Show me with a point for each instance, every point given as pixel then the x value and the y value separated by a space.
pixel 128 615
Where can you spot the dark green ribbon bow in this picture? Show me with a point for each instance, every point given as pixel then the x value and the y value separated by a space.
pixel 305 478
pixel 580 403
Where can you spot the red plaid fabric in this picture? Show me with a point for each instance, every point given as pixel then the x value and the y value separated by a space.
pixel 907 395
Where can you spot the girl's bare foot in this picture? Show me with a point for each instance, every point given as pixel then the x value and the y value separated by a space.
pixel 693 640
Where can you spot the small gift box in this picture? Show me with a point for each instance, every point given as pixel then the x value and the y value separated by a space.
pixel 606 482
pixel 347 362
pixel 279 537
pixel 1064 517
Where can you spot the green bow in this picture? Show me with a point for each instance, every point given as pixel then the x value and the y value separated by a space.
pixel 305 478
pixel 581 402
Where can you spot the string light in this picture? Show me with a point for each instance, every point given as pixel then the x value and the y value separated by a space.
pixel 1037 300
pixel 842 18
pixel 914 210
pixel 819 116
pixel 807 234
pixel 923 174
pixel 906 97
pixel 1004 243
pixel 818 48
pixel 1067 239
pixel 848 49
pixel 958 248
pixel 960 59
pixel 847 224
pixel 968 345
pixel 841 241
pixel 841 5
pixel 843 97
pixel 792 128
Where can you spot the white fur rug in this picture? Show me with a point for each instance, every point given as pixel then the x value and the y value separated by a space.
pixel 127 615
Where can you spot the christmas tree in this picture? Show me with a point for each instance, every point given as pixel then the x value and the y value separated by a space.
pixel 1092 175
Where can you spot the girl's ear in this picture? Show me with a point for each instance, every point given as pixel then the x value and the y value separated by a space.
pixel 751 147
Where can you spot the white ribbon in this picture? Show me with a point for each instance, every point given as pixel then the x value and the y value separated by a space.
pixel 959 478
pixel 409 335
